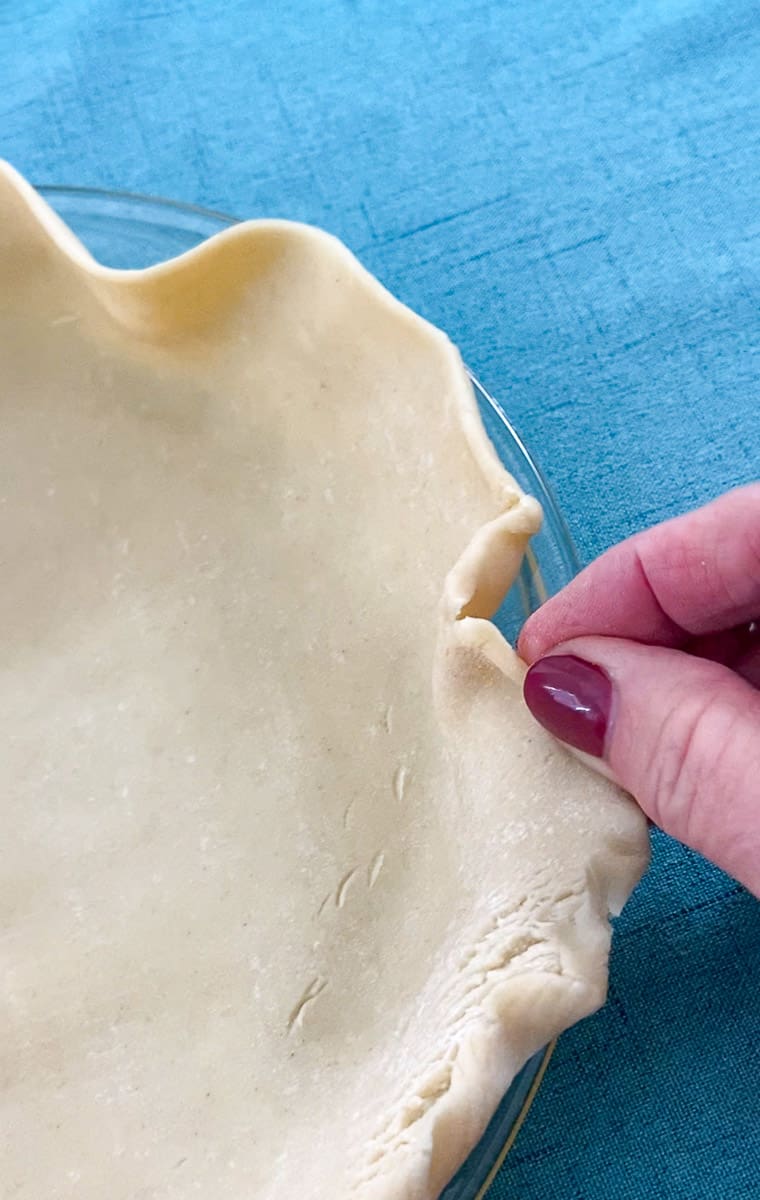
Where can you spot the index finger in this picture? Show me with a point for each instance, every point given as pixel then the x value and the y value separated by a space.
pixel 693 575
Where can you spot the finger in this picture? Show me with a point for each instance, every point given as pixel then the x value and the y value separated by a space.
pixel 693 575
pixel 737 648
pixel 748 667
pixel 682 734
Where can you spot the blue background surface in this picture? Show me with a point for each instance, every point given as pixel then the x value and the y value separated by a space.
pixel 571 191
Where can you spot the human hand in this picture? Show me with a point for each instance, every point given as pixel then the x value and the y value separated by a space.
pixel 650 662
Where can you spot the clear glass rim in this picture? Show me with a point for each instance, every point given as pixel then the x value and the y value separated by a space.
pixel 52 190
pixel 546 496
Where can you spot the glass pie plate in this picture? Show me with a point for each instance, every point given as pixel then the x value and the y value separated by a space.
pixel 124 230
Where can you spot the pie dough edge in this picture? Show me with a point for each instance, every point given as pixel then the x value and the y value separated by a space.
pixel 545 1004
pixel 113 286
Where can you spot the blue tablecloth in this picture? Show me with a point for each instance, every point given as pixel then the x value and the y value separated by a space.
pixel 571 191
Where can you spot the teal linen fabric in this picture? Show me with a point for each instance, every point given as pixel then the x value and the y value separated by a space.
pixel 571 191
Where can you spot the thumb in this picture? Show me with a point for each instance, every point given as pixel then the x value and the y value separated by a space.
pixel 682 734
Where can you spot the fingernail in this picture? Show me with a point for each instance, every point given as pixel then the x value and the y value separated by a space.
pixel 571 698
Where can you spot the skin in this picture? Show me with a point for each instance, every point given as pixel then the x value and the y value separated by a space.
pixel 673 616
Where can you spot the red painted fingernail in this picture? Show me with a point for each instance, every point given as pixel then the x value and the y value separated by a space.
pixel 571 698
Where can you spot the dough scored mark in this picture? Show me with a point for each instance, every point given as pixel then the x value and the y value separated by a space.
pixel 347 811
pixel 343 886
pixel 388 719
pixel 400 780
pixel 375 867
pixel 315 989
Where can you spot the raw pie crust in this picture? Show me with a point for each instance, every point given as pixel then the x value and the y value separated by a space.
pixel 291 884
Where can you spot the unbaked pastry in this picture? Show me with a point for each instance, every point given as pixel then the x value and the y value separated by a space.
pixel 291 883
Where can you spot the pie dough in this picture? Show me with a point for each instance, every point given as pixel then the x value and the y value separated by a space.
pixel 291 883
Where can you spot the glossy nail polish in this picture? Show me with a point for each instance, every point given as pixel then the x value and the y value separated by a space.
pixel 572 699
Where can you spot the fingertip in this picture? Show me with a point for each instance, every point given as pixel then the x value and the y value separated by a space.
pixel 532 643
pixel 525 644
pixel 559 619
